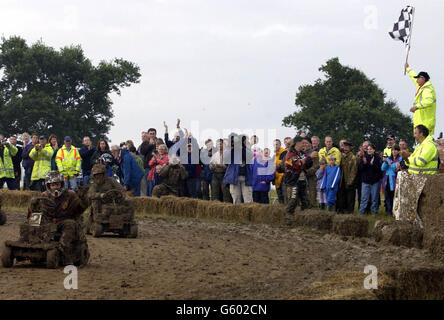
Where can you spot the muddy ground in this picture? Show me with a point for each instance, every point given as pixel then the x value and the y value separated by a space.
pixel 191 259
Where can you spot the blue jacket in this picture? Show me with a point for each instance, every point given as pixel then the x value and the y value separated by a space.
pixel 233 161
pixel 132 173
pixel 262 171
pixel 331 178
pixel 389 168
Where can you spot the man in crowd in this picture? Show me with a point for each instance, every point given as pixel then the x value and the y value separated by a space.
pixel 172 176
pixel 69 163
pixel 424 160
pixel 278 150
pixel 176 136
pixel 347 186
pixel 424 105
pixel 132 174
pixel 219 190
pixel 206 175
pixel 16 160
pixel 146 149
pixel 315 143
pixel 390 143
pixel 329 150
pixel 42 155
pixel 7 151
pixel 86 152
pixel 27 162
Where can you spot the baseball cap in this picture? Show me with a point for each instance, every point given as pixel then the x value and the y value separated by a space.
pixel 346 143
pixel 67 138
pixel 42 136
pixel 391 136
pixel 423 74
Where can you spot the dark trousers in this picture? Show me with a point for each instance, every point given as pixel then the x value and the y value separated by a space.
pixel 219 190
pixel 280 194
pixel 27 180
pixel 388 195
pixel 261 197
pixel 295 194
pixel 205 189
pixel 38 185
pixel 10 182
pixel 192 187
pixel 346 199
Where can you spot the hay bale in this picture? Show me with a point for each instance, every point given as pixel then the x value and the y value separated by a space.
pixel 168 205
pixel 147 205
pixel 350 225
pixel 434 243
pixel 237 212
pixel 411 283
pixel 216 209
pixel 268 213
pixel 17 199
pixel 398 233
pixel 314 219
pixel 431 203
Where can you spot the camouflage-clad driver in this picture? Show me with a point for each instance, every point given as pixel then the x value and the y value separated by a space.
pixel 65 209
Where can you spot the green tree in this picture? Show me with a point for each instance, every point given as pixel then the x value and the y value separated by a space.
pixel 58 92
pixel 348 105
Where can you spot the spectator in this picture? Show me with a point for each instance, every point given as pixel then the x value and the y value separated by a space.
pixel 27 162
pixel 315 143
pixel 278 150
pixel 254 140
pixel 176 136
pixel 281 167
pixel 69 163
pixel 311 173
pixel 341 145
pixel 370 167
pixel 55 147
pixel 103 155
pixel 42 155
pixel 329 150
pixel 263 175
pixel 16 160
pixel 206 175
pixel 157 162
pixel 25 139
pixel 138 159
pixel 147 148
pixel 403 146
pixel 7 151
pixel 296 162
pixel 320 173
pixel 390 143
pixel 239 174
pixel 129 144
pixel 347 185
pixel 86 152
pixel 132 174
pixel 359 155
pixel 219 190
pixel 390 166
pixel 172 176
pixel 330 183
pixel 424 160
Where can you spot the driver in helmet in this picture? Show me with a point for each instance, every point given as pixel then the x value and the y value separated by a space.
pixel 102 184
pixel 64 212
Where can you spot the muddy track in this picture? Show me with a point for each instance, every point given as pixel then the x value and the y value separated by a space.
pixel 191 259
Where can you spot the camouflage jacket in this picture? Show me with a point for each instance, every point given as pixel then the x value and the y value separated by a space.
pixel 172 176
pixel 349 170
pixel 67 206
pixel 95 190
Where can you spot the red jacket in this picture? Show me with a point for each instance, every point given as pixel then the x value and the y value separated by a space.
pixel 156 160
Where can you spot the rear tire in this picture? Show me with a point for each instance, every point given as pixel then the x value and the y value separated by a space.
pixel 7 257
pixel 84 256
pixel 2 218
pixel 133 231
pixel 97 230
pixel 52 259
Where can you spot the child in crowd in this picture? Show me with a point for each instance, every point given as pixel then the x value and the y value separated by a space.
pixel 330 183
pixel 263 175
pixel 320 176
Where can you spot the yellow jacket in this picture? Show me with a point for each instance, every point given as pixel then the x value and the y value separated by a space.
pixel 6 165
pixel 425 101
pixel 68 163
pixel 323 154
pixel 42 162
pixel 278 176
pixel 388 151
pixel 425 158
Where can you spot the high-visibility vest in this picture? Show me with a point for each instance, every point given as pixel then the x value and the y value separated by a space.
pixel 6 164
pixel 42 162
pixel 388 151
pixel 425 101
pixel 278 176
pixel 323 154
pixel 424 159
pixel 68 163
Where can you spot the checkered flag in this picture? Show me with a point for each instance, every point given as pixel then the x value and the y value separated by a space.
pixel 402 28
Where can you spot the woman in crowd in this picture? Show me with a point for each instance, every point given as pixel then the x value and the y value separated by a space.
pixel 390 166
pixel 103 154
pixel 371 174
pixel 157 162
pixel 55 146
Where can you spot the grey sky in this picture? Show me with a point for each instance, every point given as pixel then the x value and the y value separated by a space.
pixel 233 64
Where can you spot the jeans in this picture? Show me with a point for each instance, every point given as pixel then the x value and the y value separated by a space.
pixel 71 184
pixel 27 179
pixel 261 197
pixel 85 178
pixel 193 186
pixel 10 182
pixel 389 195
pixel 368 190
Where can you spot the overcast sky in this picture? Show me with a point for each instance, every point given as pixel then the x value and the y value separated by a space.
pixel 233 64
